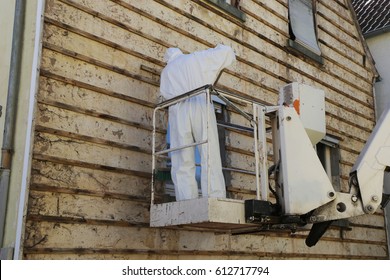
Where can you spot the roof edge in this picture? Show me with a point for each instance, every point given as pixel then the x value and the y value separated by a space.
pixel 362 39
pixel 377 32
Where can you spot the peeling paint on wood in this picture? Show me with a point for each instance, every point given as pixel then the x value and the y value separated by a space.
pixel 90 175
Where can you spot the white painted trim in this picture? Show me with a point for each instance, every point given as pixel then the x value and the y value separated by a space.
pixel 30 117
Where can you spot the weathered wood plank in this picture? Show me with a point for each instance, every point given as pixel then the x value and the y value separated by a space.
pixel 242 181
pixel 264 243
pixel 371 235
pixel 72 68
pixel 323 80
pixel 240 161
pixel 340 65
pixel 192 45
pixel 350 40
pixel 142 255
pixel 73 149
pixel 340 10
pixel 273 7
pixel 343 23
pixel 274 27
pixel 106 105
pixel 348 157
pixel 54 254
pixel 98 51
pixel 87 207
pixel 94 83
pixel 273 64
pixel 360 71
pixel 117 34
pixel 331 42
pixel 369 220
pixel 89 180
pixel 260 45
pixel 93 127
pixel 100 237
pixel 238 140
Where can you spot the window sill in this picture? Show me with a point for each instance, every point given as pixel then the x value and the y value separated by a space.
pixel 229 9
pixel 296 47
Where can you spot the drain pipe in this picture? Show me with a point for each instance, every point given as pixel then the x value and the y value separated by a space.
pixel 10 113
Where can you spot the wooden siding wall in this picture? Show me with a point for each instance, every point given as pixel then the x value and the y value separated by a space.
pixel 90 181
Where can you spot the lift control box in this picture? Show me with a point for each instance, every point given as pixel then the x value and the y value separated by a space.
pixel 309 102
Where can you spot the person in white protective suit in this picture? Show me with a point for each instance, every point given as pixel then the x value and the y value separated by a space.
pixel 188 119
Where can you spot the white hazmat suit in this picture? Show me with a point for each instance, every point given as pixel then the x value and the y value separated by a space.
pixel 188 119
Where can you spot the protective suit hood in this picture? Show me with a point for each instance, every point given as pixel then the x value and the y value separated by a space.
pixel 171 54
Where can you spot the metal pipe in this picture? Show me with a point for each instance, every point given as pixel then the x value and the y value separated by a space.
pixel 11 107
pixel 239 170
pixel 227 101
pixel 262 152
pixel 153 156
pixel 183 96
pixel 256 148
pixel 179 148
pixel 208 107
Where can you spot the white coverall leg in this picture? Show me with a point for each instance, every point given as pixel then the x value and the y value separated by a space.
pixel 217 182
pixel 183 161
pixel 189 121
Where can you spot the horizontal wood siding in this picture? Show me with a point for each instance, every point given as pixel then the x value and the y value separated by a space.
pixel 90 178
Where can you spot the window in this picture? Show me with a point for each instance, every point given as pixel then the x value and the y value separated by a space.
pixel 329 153
pixel 221 115
pixel 234 3
pixel 302 28
pixel 232 7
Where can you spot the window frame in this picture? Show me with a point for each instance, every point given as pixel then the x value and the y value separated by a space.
pixel 328 151
pixel 232 9
pixel 293 43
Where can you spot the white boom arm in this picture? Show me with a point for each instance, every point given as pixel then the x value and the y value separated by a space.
pixel 303 190
pixel 366 178
pixel 305 186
